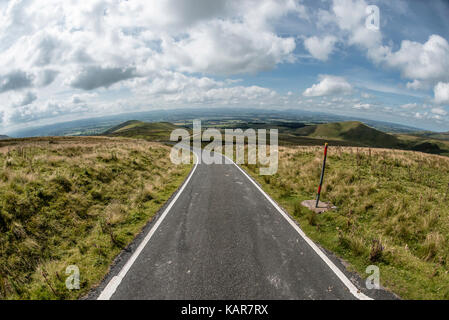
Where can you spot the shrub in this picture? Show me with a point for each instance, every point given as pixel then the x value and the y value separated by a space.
pixel 64 183
pixel 377 249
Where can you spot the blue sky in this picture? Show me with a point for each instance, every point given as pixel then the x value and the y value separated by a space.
pixel 65 60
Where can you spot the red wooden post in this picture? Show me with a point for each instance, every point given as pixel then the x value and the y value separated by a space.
pixel 322 175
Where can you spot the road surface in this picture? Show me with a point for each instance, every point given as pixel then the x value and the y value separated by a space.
pixel 222 238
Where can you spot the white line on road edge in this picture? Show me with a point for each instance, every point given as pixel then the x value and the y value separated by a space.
pixel 352 288
pixel 113 284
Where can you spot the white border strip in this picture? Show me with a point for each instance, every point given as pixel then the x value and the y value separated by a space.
pixel 352 288
pixel 113 284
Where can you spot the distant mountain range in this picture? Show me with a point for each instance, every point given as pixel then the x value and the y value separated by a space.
pixel 3 137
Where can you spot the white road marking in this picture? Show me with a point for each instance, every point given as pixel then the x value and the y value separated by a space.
pixel 113 284
pixel 352 288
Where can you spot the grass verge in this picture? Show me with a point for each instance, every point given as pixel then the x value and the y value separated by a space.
pixel 75 201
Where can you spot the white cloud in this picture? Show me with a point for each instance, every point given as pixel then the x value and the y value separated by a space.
pixel 82 98
pixel 34 112
pixel 94 77
pixel 426 62
pixel 15 80
pixel 224 37
pixel 416 85
pixel 362 106
pixel 320 48
pixel 439 111
pixel 19 99
pixel 170 88
pixel 441 91
pixel 328 85
pixel 225 47
pixel 419 115
pixel 409 106
pixel 350 16
pixel 366 95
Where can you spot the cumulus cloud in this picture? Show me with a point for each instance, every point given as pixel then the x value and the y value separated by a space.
pixel 328 85
pixel 320 48
pixel 420 115
pixel 26 99
pixel 94 77
pixel 366 95
pixel 439 111
pixel 416 85
pixel 362 106
pixel 350 16
pixel 409 106
pixel 15 80
pixel 174 88
pixel 82 98
pixel 427 61
pixel 423 63
pixel 225 47
pixel 221 37
pixel 168 82
pixel 34 112
pixel 441 92
pixel 45 77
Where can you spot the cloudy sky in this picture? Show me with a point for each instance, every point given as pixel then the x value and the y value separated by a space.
pixel 65 60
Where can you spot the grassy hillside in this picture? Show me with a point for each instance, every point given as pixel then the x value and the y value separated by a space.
pixel 424 144
pixel 393 211
pixel 150 131
pixel 123 126
pixel 358 134
pixel 433 135
pixel 75 201
pixel 350 131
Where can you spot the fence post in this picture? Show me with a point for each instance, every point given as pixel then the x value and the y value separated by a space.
pixel 322 175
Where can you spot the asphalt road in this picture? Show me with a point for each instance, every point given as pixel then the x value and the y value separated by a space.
pixel 223 239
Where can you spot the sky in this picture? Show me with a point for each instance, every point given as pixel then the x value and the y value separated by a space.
pixel 67 60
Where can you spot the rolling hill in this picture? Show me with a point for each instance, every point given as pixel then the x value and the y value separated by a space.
pixel 3 137
pixel 150 131
pixel 352 131
pixel 359 134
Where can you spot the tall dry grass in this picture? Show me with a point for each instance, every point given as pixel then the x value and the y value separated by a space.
pixel 75 201
pixel 393 211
